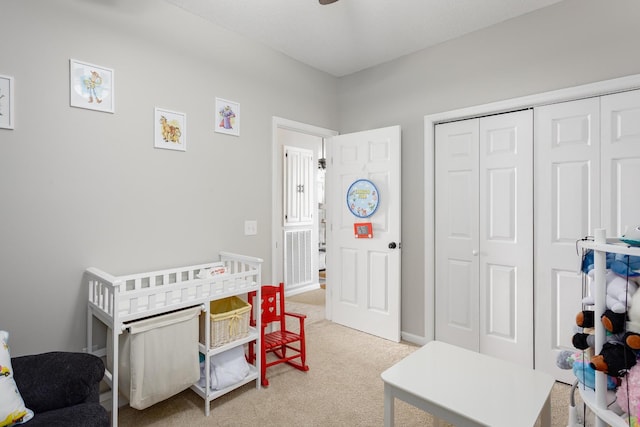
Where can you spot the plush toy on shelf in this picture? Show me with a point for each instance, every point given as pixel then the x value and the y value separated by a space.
pixel 619 292
pixel 634 312
pixel 628 394
pixel 623 265
pixel 614 359
pixel 616 356
pixel 579 363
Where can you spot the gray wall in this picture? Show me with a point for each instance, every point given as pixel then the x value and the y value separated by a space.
pixel 571 43
pixel 81 188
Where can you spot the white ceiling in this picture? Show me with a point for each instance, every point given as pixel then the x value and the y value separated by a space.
pixel 351 35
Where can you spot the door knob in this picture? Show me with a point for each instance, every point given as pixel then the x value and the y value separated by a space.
pixel 392 245
pixel 474 252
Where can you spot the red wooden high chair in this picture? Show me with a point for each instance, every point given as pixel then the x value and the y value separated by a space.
pixel 282 343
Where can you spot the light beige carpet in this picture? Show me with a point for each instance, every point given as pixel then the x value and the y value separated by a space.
pixel 342 387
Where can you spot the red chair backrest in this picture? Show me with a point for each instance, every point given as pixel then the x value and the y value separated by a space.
pixel 272 304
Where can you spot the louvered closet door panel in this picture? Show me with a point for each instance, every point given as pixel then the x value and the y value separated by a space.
pixel 457 309
pixel 567 195
pixel 506 236
pixel 291 188
pixel 620 161
pixel 298 183
pixel 307 181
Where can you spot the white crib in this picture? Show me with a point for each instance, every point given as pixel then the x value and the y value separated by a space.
pixel 118 300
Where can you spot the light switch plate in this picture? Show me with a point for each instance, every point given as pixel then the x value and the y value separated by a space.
pixel 250 228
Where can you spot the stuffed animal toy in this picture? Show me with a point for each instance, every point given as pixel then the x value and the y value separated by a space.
pixel 588 263
pixel 622 265
pixel 634 311
pixel 628 394
pixel 583 338
pixel 617 354
pixel 616 324
pixel 626 266
pixel 583 341
pixel 613 322
pixel 619 292
pixel 586 319
pixel 615 359
pixel 578 361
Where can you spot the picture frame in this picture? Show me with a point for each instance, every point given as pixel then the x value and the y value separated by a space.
pixel 227 117
pixel 91 86
pixel 6 102
pixel 170 130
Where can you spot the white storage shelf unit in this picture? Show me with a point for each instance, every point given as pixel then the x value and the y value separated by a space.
pixel 597 399
pixel 117 300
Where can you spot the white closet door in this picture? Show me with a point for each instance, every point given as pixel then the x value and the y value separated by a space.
pixel 567 197
pixel 456 216
pixel 506 236
pixel 484 235
pixel 620 161
pixel 298 186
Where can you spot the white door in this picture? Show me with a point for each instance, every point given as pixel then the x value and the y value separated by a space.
pixel 587 168
pixel 567 196
pixel 620 130
pixel 506 237
pixel 457 234
pixel 484 235
pixel 363 275
pixel 298 182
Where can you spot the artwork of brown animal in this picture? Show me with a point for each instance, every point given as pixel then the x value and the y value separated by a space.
pixel 170 130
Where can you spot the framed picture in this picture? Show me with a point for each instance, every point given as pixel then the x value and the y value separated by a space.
pixel 227 117
pixel 91 86
pixel 6 102
pixel 170 130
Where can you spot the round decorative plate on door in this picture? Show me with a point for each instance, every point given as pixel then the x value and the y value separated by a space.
pixel 363 198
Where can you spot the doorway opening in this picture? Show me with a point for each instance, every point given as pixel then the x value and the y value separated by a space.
pixel 322 217
pixel 309 137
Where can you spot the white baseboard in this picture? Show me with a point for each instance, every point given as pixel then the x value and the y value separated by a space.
pixel 302 289
pixel 414 339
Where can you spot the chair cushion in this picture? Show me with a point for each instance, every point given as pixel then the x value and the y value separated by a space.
pixel 55 380
pixel 12 407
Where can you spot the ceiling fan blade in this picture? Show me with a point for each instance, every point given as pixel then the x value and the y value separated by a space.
pixel 323 2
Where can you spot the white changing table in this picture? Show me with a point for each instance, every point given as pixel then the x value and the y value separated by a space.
pixel 115 301
pixel 466 388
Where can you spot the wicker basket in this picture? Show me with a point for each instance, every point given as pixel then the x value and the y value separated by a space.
pixel 229 321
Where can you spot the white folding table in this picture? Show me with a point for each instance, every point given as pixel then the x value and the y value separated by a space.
pixel 466 388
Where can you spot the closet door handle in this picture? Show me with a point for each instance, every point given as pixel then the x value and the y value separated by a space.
pixel 474 252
